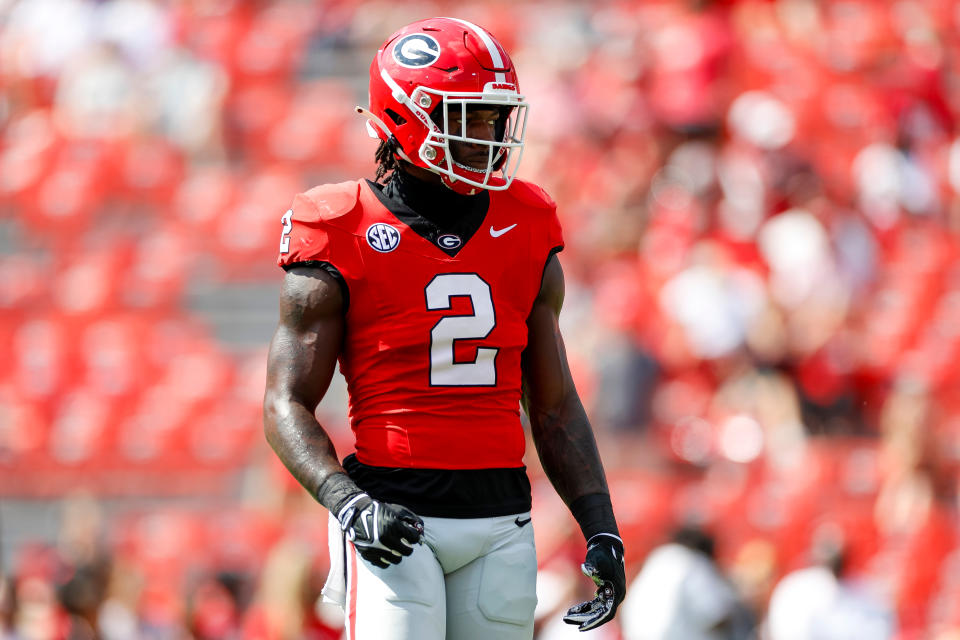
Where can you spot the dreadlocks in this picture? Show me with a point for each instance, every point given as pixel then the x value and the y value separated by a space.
pixel 386 158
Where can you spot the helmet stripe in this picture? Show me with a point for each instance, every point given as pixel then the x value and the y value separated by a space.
pixel 490 43
pixel 401 96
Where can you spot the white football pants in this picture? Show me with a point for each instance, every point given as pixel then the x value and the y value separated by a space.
pixel 471 579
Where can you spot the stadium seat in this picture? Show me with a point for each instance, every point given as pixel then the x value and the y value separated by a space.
pixel 81 430
pixel 65 203
pixel 645 508
pixel 206 193
pixel 222 433
pixel 23 430
pixel 87 282
pixel 251 230
pixel 272 45
pixel 28 150
pixel 161 263
pixel 152 168
pixel 44 356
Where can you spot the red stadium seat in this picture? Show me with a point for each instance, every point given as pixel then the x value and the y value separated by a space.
pixel 205 194
pixel 645 508
pixel 149 434
pixel 309 135
pixel 160 264
pixel 65 203
pixel 111 356
pixel 43 350
pixel 222 434
pixel 81 430
pixel 250 375
pixel 22 285
pixel 150 170
pixel 23 429
pixel 87 283
pixel 253 110
pixel 251 230
pixel 273 44
pixel 28 151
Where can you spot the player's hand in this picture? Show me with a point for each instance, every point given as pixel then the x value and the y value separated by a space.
pixel 603 565
pixel 382 533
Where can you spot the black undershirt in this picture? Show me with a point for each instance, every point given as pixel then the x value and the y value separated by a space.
pixel 446 493
pixel 433 210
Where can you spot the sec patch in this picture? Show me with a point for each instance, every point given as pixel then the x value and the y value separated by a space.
pixel 383 237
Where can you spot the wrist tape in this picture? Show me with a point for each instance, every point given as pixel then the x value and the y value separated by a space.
pixel 336 490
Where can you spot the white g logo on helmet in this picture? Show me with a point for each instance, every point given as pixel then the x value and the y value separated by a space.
pixel 416 50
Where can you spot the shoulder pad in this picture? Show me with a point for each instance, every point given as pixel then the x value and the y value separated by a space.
pixel 531 195
pixel 331 201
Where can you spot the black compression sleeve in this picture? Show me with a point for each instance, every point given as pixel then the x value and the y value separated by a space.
pixel 594 514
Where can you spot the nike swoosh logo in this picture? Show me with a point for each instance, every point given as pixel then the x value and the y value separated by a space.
pixel 520 522
pixel 496 233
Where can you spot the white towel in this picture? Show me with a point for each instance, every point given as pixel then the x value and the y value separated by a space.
pixel 335 588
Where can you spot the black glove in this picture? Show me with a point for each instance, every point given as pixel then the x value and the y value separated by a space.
pixel 382 533
pixel 603 565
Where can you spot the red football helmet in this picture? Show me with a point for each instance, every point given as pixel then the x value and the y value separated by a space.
pixel 439 63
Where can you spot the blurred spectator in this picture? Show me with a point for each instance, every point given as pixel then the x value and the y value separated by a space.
pixel 287 604
pixel 37 614
pixel 626 378
pixel 186 101
pixel 8 607
pixel 81 596
pixel 753 570
pixel 97 96
pixel 84 571
pixel 915 507
pixel 823 602
pixel 82 540
pixel 215 608
pixel 681 593
pixel 714 301
pixel 41 36
pixel 117 618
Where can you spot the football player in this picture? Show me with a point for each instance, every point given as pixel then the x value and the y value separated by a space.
pixel 438 289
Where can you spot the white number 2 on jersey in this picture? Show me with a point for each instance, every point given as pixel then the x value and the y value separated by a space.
pixel 444 372
pixel 287 228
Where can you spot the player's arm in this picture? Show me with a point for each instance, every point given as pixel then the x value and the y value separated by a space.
pixel 300 365
pixel 568 450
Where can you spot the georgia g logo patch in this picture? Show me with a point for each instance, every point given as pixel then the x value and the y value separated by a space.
pixel 449 241
pixel 382 237
pixel 416 50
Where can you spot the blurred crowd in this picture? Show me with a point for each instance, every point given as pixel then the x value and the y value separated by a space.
pixel 761 209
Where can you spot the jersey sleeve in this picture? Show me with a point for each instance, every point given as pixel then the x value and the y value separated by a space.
pixel 534 197
pixel 554 232
pixel 310 234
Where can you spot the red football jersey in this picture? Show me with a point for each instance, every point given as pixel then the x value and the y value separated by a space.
pixel 432 348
